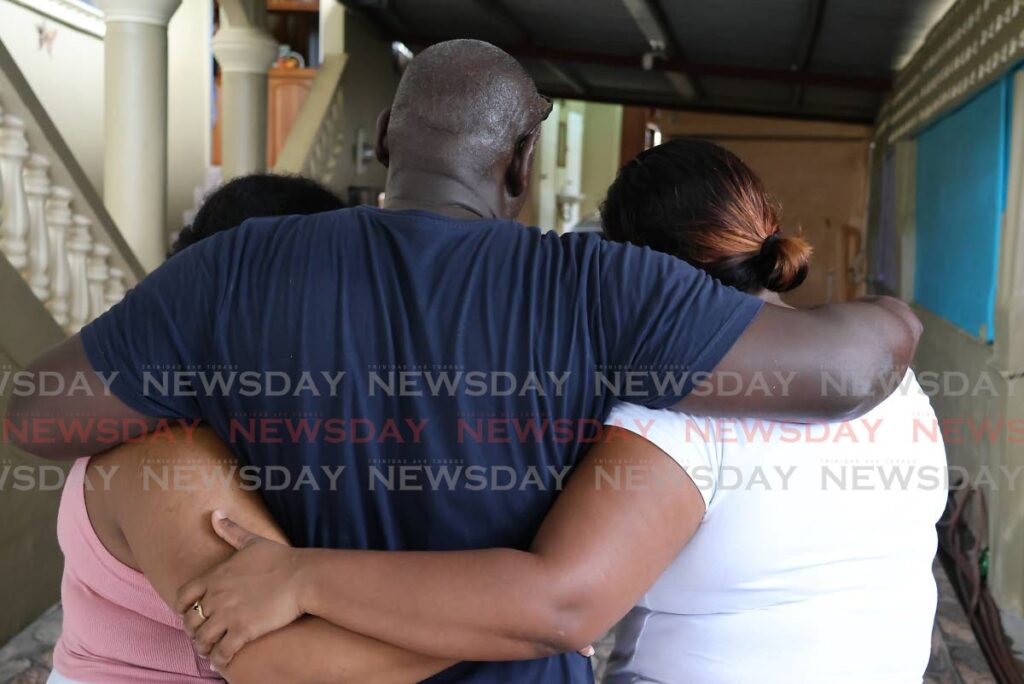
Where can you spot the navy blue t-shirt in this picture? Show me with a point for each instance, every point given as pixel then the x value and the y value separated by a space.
pixel 401 380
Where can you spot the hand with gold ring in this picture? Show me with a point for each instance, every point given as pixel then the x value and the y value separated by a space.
pixel 255 591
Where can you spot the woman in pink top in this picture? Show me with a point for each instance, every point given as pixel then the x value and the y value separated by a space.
pixel 130 541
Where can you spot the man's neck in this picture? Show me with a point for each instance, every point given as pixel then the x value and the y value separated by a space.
pixel 440 193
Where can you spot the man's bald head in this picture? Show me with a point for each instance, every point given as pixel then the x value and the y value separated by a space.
pixel 465 101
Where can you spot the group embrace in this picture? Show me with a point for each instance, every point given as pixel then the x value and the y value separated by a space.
pixel 385 564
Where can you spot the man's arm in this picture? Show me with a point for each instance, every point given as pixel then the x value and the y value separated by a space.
pixel 600 547
pixel 833 362
pixel 168 532
pixel 660 317
pixel 62 425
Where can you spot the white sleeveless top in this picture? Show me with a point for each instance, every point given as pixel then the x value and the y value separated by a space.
pixel 813 561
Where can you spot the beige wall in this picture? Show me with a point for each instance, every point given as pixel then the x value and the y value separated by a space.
pixel 602 135
pixel 189 72
pixel 817 171
pixel 367 88
pixel 67 78
pixel 602 138
pixel 30 561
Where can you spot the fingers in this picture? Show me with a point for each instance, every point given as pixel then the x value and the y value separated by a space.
pixel 188 594
pixel 208 634
pixel 587 652
pixel 226 648
pixel 232 532
pixel 219 637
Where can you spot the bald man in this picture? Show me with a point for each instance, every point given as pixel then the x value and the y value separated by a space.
pixel 438 331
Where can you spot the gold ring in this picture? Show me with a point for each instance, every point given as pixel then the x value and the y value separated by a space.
pixel 199 609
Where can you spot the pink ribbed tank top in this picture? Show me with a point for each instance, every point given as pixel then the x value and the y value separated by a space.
pixel 116 627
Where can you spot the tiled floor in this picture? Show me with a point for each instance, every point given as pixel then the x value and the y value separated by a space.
pixel 956 659
pixel 28 657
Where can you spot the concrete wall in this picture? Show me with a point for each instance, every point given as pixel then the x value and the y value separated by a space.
pixel 30 561
pixel 817 171
pixel 977 405
pixel 982 401
pixel 66 74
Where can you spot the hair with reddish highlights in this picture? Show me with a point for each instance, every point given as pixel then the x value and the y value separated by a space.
pixel 697 201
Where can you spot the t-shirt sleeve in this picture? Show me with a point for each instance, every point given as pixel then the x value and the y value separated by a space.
pixel 663 320
pixel 160 330
pixel 688 441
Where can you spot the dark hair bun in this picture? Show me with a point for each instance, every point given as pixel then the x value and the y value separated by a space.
pixel 783 263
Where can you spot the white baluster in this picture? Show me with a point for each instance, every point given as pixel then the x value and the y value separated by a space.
pixel 115 287
pixel 1 175
pixel 97 272
pixel 37 188
pixel 79 244
pixel 58 220
pixel 14 220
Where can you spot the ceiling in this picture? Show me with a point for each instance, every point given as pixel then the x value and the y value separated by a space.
pixel 831 59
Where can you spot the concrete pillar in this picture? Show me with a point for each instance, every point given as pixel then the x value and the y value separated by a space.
pixel 245 54
pixel 135 156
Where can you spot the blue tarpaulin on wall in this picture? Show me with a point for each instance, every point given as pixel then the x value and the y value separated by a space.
pixel 960 196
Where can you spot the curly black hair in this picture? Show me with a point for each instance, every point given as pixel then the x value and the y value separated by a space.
pixel 260 194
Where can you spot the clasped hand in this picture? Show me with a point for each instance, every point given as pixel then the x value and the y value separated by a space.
pixel 252 593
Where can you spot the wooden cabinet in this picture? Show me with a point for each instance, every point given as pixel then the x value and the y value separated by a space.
pixel 287 90
pixel 286 93
pixel 293 5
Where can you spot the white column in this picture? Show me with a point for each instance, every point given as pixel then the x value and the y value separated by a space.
pixel 135 101
pixel 14 214
pixel 245 54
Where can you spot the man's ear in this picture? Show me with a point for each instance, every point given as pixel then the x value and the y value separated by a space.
pixel 380 138
pixel 517 180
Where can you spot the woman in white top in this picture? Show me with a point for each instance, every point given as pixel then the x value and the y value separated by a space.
pixel 786 552
pixel 813 560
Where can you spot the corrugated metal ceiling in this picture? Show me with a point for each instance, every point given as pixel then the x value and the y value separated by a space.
pixel 808 58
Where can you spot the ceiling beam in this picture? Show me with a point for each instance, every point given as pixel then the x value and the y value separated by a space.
pixel 382 12
pixel 525 51
pixel 569 77
pixel 644 99
pixel 816 15
pixel 501 11
pixel 652 21
pixel 659 39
